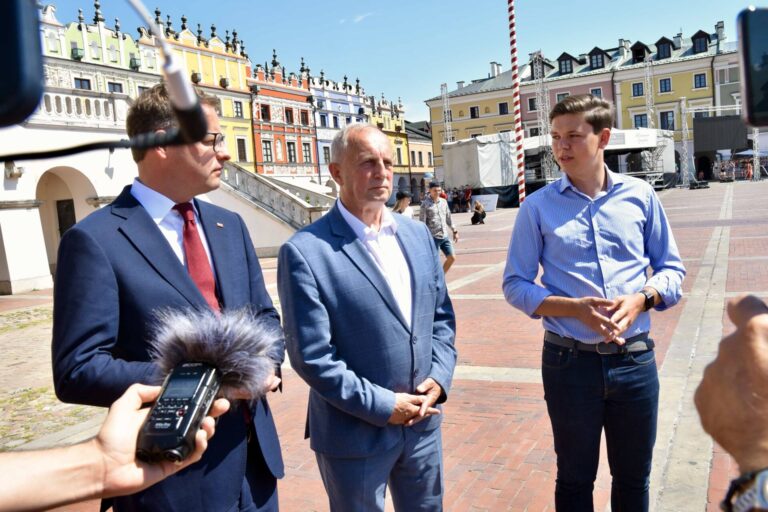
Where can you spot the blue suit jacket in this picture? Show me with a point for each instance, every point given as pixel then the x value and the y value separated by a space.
pixel 115 269
pixel 347 338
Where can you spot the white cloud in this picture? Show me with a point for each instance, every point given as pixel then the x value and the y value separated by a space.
pixel 361 17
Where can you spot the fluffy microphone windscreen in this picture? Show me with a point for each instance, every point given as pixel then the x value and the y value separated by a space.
pixel 244 349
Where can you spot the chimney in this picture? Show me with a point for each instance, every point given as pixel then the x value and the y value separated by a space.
pixel 460 84
pixel 493 69
pixel 720 30
pixel 624 48
pixel 498 69
pixel 678 40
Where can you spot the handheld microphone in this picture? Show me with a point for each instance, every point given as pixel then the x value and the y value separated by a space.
pixel 203 355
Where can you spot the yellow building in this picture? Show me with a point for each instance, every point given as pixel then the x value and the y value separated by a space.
pixel 219 66
pixel 390 118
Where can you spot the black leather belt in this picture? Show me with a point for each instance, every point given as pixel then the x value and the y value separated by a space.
pixel 637 343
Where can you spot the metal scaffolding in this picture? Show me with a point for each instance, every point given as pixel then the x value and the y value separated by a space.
pixel 546 158
pixel 447 117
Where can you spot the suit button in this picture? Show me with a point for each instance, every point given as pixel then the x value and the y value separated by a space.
pixel 414 339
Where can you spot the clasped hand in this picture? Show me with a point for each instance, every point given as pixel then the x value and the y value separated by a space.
pixel 411 409
pixel 610 317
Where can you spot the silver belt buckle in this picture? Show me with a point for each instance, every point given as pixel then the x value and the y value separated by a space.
pixel 610 350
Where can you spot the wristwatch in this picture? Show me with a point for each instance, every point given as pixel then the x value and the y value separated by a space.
pixel 650 299
pixel 747 493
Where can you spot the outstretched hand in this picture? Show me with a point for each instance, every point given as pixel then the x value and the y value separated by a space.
pixel 122 472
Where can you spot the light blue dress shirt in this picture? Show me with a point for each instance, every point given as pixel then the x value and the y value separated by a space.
pixel 601 247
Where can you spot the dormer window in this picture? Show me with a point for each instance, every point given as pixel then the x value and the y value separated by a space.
pixel 596 61
pixel 638 56
pixel 699 45
pixel 664 51
pixel 700 41
pixel 566 66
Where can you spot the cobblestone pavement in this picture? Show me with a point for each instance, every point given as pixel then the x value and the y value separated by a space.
pixel 497 437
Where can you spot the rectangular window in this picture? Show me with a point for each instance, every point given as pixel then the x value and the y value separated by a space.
pixel 597 92
pixel 421 159
pixel 266 149
pixel 323 120
pixel 83 83
pixel 429 158
pixel 637 89
pixel 596 61
pixel 475 135
pixel 561 96
pixel 474 112
pixel 532 104
pixel 242 153
pixel 289 116
pixel 701 115
pixel 326 154
pixel 699 80
pixel 503 109
pixel 641 121
pixel 566 66
pixel 115 87
pixel 265 114
pixel 534 132
pixel 142 90
pixel 238 107
pixel 665 85
pixel 306 152
pixel 413 157
pixel 667 120
pixel 291 151
pixel 399 156
pixel 304 117
pixel 664 51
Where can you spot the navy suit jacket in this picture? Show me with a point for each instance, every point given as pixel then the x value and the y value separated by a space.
pixel 347 338
pixel 115 270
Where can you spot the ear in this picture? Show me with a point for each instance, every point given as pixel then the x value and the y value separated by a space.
pixel 160 151
pixel 335 172
pixel 605 137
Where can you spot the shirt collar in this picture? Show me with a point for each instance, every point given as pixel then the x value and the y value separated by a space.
pixel 612 178
pixel 155 203
pixel 364 232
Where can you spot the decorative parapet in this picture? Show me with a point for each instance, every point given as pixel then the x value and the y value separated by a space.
pixel 85 109
pixel 275 199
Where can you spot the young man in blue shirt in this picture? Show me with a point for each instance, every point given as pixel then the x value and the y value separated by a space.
pixel 595 233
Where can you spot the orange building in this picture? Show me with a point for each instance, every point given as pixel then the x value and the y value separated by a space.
pixel 284 131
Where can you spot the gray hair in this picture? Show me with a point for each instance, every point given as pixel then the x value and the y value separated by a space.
pixel 341 140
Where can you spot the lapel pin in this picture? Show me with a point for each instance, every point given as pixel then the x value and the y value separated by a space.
pixel 219 225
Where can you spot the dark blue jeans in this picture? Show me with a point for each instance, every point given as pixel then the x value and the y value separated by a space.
pixel 586 393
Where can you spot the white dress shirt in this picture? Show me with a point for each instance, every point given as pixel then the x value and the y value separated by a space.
pixel 171 225
pixel 387 254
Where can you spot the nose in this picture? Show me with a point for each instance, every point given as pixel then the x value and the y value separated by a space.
pixel 222 153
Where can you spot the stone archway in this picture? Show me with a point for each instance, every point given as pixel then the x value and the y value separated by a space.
pixel 63 193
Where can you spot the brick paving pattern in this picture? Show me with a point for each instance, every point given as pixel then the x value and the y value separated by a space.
pixel 496 433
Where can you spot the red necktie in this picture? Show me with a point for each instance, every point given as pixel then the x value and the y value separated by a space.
pixel 197 260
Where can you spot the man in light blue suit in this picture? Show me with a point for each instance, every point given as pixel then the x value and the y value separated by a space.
pixel 370 327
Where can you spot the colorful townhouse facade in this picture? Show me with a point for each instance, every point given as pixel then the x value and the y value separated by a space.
pixel 336 105
pixel 701 68
pixel 283 122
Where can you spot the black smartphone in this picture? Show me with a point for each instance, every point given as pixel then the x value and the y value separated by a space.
pixel 753 57
pixel 170 429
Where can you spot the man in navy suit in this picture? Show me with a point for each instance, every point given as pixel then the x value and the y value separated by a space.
pixel 369 326
pixel 123 263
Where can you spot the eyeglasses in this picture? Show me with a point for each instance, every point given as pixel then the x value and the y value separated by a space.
pixel 217 143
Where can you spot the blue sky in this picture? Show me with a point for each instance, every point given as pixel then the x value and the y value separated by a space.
pixel 408 48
